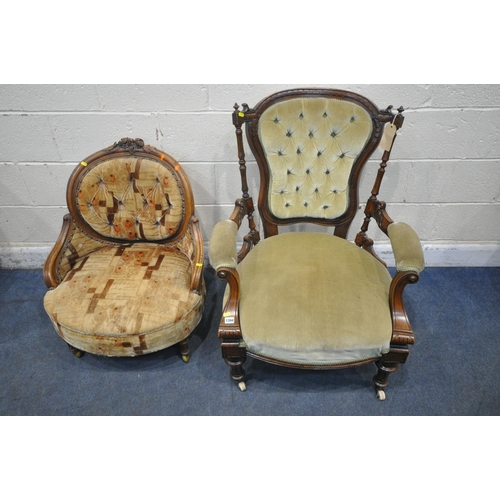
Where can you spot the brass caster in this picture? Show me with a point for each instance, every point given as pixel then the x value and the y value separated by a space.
pixel 185 358
pixel 76 352
pixel 242 386
pixel 381 395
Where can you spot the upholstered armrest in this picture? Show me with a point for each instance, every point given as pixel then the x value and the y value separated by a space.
pixel 71 247
pixel 406 246
pixel 222 248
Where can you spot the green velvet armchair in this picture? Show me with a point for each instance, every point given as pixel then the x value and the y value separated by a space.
pixel 310 299
pixel 125 276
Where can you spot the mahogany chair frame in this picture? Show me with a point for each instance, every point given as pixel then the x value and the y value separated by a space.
pixel 233 348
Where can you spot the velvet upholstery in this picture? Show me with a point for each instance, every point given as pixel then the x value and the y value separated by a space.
pixel 222 248
pixel 290 312
pixel 311 145
pixel 131 198
pixel 406 246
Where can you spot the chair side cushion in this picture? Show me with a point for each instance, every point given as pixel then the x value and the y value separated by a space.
pixel 313 298
pixel 126 301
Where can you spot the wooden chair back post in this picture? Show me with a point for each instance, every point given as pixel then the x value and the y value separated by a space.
pixel 244 205
pixel 375 208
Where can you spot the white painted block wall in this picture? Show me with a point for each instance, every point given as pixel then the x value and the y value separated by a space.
pixel 443 178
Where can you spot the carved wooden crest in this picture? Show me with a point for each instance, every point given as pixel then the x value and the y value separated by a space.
pixel 132 145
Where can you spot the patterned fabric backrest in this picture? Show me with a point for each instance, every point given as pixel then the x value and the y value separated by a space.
pixel 130 196
pixel 311 146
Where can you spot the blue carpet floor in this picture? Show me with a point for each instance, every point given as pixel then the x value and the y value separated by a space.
pixel 453 369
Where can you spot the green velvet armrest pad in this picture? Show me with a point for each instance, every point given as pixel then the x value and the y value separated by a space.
pixel 406 246
pixel 222 247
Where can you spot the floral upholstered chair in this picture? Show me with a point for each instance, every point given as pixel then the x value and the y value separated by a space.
pixel 125 275
pixel 310 299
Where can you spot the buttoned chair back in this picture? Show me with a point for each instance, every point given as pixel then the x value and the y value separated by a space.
pixel 132 197
pixel 311 148
pixel 125 275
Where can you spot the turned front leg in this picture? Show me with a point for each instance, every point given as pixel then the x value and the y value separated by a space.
pixel 235 355
pixel 380 380
pixel 387 364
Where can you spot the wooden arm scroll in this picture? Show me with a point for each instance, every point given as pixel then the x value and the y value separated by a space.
pixel 196 277
pixel 52 262
pixel 402 332
pixel 230 322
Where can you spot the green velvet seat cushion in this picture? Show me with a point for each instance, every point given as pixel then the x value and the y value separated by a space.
pixel 314 298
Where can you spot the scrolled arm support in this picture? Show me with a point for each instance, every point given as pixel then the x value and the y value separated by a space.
pixel 409 259
pixel 197 273
pixel 223 258
pixel 50 266
pixel 230 322
pixel 402 332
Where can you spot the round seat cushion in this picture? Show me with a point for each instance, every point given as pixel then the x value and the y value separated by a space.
pixel 314 299
pixel 126 300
